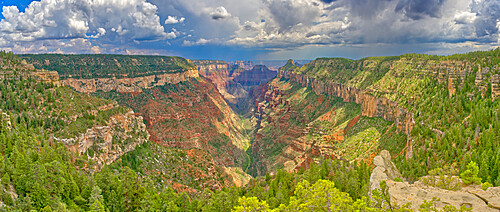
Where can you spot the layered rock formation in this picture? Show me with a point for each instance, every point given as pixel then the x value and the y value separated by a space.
pixel 128 85
pixel 46 77
pixel 222 75
pixel 370 106
pixel 25 70
pixel 236 80
pixel 382 85
pixel 257 75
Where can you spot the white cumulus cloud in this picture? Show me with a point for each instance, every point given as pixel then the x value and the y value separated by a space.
pixel 111 21
pixel 174 20
pixel 199 42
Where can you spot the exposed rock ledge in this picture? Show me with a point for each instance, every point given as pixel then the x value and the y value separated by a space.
pixel 128 85
pixel 403 192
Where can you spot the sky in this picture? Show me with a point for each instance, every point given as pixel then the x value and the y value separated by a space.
pixel 250 29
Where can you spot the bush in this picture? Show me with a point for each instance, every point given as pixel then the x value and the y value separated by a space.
pixel 486 185
pixel 469 176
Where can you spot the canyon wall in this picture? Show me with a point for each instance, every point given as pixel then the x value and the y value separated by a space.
pixel 129 85
pixel 235 80
pixel 25 70
pixel 370 106
pixel 257 75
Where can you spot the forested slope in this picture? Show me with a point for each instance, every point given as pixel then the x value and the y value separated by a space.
pixel 106 66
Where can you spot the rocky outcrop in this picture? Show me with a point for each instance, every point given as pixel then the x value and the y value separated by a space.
pixel 38 75
pixel 371 106
pixel 384 170
pixel 46 77
pixel 105 144
pixel 401 193
pixel 222 74
pixel 128 85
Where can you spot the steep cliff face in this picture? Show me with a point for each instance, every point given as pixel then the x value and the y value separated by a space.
pixel 46 77
pixel 181 108
pixel 129 85
pixel 222 75
pixel 370 105
pixel 236 80
pixel 386 87
pixel 184 113
pixel 257 75
pixel 25 71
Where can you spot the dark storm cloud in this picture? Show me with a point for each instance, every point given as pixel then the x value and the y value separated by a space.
pixel 367 8
pixel 488 13
pixel 327 1
pixel 418 9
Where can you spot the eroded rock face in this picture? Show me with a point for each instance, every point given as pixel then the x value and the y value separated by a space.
pixel 38 75
pixel 256 76
pixel 105 144
pixel 384 170
pixel 235 81
pixel 128 85
pixel 370 106
pixel 222 75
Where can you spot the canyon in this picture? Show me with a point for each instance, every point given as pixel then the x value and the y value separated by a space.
pixel 260 120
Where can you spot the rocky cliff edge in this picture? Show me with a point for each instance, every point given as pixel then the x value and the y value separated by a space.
pixel 401 193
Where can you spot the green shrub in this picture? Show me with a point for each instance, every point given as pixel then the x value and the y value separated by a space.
pixel 486 185
pixel 469 176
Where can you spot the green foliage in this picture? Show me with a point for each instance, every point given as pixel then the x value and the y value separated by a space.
pixel 251 204
pixel 320 196
pixel 445 178
pixel 486 185
pixel 470 175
